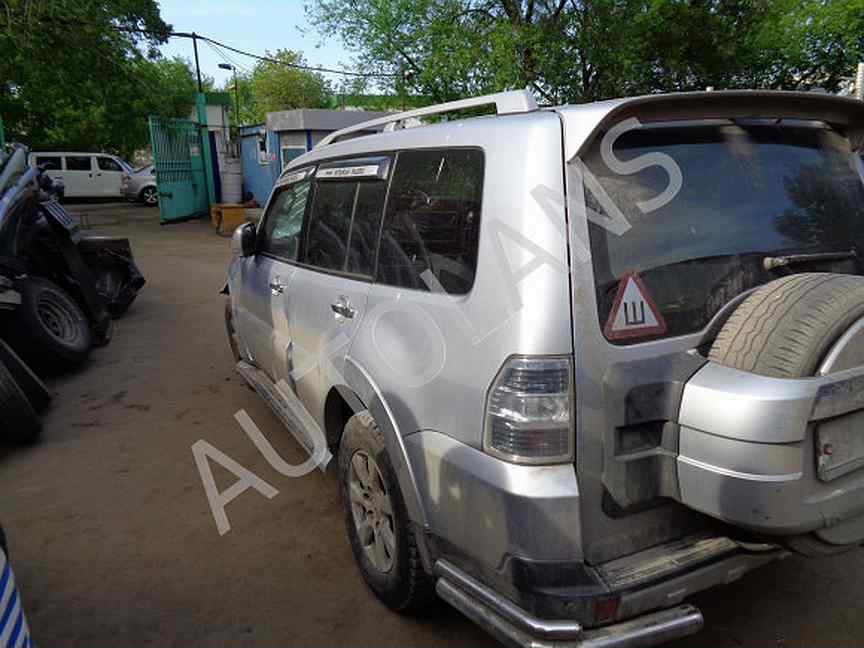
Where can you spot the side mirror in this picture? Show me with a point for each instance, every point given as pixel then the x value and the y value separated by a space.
pixel 243 240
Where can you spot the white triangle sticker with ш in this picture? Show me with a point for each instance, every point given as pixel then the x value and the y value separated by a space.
pixel 634 313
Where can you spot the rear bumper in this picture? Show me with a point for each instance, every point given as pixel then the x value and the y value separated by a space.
pixel 749 449
pixel 514 627
pixel 641 600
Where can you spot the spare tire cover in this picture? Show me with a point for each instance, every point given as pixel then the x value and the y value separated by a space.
pixel 801 325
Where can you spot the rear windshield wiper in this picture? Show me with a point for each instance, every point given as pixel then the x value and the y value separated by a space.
pixel 772 262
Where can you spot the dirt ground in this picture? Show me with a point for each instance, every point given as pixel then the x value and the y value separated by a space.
pixel 113 541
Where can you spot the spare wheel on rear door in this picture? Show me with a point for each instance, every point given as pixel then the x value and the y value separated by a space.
pixel 802 325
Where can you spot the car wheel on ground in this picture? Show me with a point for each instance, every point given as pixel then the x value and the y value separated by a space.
pixel 49 326
pixel 149 196
pixel 381 537
pixel 32 386
pixel 18 419
pixel 787 329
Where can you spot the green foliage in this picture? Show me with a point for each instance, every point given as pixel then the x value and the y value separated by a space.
pixel 250 111
pixel 274 86
pixel 277 86
pixel 582 50
pixel 73 75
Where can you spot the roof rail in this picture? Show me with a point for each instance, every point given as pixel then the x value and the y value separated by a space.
pixel 506 103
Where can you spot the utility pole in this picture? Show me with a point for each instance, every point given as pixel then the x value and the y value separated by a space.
pixel 197 66
pixel 226 66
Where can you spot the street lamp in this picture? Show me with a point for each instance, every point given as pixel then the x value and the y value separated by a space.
pixel 226 66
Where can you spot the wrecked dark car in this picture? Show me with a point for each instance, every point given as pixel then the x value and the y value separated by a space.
pixel 59 290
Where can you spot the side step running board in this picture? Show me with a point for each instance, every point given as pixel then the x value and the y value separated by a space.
pixel 515 627
pixel 286 406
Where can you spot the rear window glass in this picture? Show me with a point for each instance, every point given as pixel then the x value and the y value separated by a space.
pixel 750 190
pixel 432 222
pixel 78 163
pixel 49 162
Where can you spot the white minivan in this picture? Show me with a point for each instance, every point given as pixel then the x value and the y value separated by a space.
pixel 85 175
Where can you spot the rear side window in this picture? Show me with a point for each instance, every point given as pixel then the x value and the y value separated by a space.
pixel 330 224
pixel 78 163
pixel 49 162
pixel 365 227
pixel 344 222
pixel 432 222
pixel 107 164
pixel 284 221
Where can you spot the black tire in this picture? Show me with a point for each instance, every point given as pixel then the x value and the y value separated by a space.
pixel 4 543
pixel 405 587
pixel 32 386
pixel 49 326
pixel 149 196
pixel 18 420
pixel 785 329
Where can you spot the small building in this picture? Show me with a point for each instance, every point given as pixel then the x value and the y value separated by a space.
pixel 267 148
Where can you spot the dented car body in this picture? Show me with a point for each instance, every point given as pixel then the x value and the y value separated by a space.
pixel 529 308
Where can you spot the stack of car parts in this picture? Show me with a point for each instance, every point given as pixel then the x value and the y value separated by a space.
pixel 59 292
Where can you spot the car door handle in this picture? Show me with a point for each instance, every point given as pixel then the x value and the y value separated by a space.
pixel 342 308
pixel 277 287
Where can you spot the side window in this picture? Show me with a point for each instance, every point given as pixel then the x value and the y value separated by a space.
pixel 432 222
pixel 107 164
pixel 78 163
pixel 365 227
pixel 284 221
pixel 51 162
pixel 329 225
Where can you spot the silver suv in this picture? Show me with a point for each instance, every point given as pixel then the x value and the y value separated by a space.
pixel 576 363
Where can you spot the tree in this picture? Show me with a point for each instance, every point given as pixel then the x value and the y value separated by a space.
pixel 582 50
pixel 85 74
pixel 250 112
pixel 278 86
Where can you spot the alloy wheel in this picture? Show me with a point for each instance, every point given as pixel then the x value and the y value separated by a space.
pixel 372 511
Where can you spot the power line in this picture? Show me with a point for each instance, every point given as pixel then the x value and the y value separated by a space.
pixel 227 59
pixel 192 35
pixel 277 61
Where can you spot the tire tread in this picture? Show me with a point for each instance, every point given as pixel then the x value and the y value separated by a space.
pixel 785 328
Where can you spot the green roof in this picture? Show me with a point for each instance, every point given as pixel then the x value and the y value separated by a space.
pixel 217 98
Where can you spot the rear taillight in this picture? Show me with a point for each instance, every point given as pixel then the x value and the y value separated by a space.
pixel 529 411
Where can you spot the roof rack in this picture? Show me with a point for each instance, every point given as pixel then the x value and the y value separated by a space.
pixel 506 103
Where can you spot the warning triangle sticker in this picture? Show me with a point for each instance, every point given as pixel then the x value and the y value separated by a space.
pixel 634 313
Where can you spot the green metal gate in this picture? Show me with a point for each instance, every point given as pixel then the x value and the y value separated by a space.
pixel 179 166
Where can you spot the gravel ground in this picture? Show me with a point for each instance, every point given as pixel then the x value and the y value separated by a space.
pixel 114 544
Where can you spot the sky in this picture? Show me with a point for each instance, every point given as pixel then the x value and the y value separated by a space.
pixel 253 26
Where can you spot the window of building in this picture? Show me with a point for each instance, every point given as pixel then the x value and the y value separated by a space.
pixel 432 221
pixel 263 148
pixel 291 152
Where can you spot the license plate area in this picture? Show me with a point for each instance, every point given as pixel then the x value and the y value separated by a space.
pixel 840 446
